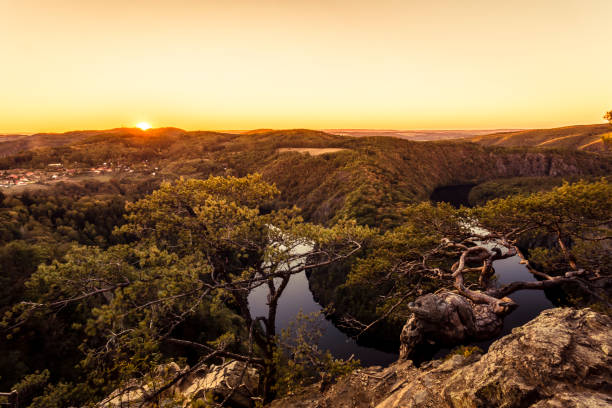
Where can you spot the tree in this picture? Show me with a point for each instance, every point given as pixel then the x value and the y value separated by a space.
pixel 608 116
pixel 433 251
pixel 199 244
pixel 405 262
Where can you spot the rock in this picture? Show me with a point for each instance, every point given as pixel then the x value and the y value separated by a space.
pixel 447 319
pixel 205 383
pixel 361 389
pixel 577 400
pixel 562 350
pixel 219 381
pixel 562 358
pixel 134 392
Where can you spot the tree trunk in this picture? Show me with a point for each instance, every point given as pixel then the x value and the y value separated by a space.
pixel 269 373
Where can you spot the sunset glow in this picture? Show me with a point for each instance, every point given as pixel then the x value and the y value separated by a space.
pixel 199 64
pixel 143 126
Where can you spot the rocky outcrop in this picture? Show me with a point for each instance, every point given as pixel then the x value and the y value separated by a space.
pixel 219 382
pixel 563 358
pixel 205 384
pixel 447 319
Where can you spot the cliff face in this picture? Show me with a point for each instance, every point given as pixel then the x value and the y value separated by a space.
pixel 563 358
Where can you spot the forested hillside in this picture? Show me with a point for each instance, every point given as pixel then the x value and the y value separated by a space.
pixel 367 180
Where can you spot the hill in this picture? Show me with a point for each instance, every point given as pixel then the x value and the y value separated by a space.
pixel 367 178
pixel 417 135
pixel 583 137
pixel 12 144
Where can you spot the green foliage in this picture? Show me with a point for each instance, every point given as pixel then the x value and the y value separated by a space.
pixel 464 351
pixel 575 215
pixel 36 228
pixel 202 214
pixel 200 247
pixel 299 360
pixel 18 260
pixel 31 385
pixel 608 116
pixel 52 218
pixel 190 234
pixel 382 275
pixel 501 188
pixel 130 333
pixel 368 181
pixel 63 395
pixel 565 229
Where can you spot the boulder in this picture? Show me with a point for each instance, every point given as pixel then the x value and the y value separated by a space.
pixel 447 319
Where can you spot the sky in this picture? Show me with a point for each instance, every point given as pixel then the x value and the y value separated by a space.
pixel 198 64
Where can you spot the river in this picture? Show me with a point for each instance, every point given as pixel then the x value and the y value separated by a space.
pixel 298 297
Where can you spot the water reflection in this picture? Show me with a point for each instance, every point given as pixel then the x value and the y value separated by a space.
pixel 296 297
pixel 531 302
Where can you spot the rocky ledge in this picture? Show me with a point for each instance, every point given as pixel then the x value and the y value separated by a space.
pixel 563 358
pixel 231 382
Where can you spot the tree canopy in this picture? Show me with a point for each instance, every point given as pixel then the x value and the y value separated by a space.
pixel 565 234
pixel 197 244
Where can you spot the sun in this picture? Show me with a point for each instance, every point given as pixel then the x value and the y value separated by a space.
pixel 143 125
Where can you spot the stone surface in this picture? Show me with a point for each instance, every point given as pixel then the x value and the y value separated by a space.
pixel 563 358
pixel 208 382
pixel 220 380
pixel 447 319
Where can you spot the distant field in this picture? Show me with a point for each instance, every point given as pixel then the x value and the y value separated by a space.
pixel 313 151
pixel 417 135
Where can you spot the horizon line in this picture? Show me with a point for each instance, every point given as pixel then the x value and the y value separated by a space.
pixel 326 129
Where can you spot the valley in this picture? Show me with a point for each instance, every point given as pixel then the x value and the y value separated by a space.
pixel 366 178
pixel 70 191
pixel 305 204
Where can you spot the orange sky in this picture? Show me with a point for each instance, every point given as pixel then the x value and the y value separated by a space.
pixel 197 64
